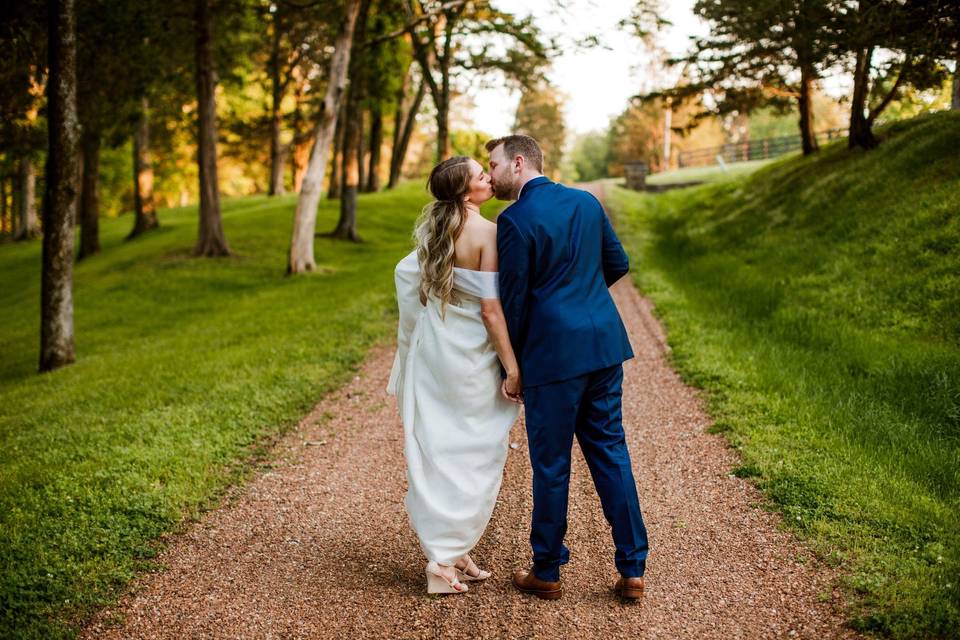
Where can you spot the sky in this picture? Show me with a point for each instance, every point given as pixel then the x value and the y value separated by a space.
pixel 596 82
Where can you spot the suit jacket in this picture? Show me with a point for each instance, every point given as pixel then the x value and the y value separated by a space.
pixel 558 256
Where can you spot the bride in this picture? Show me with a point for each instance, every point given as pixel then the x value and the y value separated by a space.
pixel 451 344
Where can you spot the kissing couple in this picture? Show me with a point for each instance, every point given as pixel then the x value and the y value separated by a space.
pixel 494 315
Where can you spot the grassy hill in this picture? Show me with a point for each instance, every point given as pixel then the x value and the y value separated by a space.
pixel 183 367
pixel 817 302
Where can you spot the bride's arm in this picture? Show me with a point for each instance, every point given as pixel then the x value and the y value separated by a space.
pixel 496 324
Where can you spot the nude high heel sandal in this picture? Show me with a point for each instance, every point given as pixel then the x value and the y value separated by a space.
pixel 465 566
pixel 436 583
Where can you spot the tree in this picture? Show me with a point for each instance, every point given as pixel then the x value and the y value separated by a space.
pixel 919 34
pixel 210 238
pixel 23 77
pixel 454 36
pixel 298 33
pixel 352 155
pixel 385 73
pixel 301 258
pixel 103 98
pixel 540 115
pixel 144 207
pixel 62 189
pixel 759 53
pixel 373 74
pixel 404 122
pixel 590 155
pixel 27 224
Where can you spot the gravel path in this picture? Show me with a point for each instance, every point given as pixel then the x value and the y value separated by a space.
pixel 320 547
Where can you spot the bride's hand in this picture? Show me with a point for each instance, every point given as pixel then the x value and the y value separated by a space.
pixel 512 388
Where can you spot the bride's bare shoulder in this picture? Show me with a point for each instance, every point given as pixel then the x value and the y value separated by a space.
pixel 480 228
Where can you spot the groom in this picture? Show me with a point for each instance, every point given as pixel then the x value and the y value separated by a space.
pixel 558 255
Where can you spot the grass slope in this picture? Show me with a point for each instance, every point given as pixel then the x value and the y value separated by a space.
pixel 817 302
pixel 710 173
pixel 184 366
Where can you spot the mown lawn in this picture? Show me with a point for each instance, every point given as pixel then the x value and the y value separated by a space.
pixel 817 302
pixel 710 173
pixel 184 368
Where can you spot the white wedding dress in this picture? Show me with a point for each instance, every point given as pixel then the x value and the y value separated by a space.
pixel 446 376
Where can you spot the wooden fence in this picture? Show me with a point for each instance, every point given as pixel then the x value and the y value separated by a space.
pixel 751 150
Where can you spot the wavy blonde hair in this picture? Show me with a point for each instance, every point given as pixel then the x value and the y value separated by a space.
pixel 438 228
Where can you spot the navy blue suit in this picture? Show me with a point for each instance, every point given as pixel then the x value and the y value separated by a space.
pixel 558 255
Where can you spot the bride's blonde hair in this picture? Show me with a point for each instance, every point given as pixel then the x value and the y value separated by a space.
pixel 439 226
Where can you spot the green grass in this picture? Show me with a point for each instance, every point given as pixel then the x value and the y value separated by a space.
pixel 185 368
pixel 712 173
pixel 817 301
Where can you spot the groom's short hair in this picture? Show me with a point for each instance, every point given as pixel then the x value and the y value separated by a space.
pixel 519 145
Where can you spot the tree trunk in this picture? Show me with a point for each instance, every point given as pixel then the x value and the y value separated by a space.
pixel 361 148
pixel 398 122
pixel 955 100
pixel 62 189
pixel 333 191
pixel 302 140
pixel 400 145
pixel 376 141
pixel 808 136
pixel 443 122
pixel 276 118
pixel 210 238
pixel 346 228
pixel 145 210
pixel 305 219
pixel 27 226
pixel 90 195
pixel 860 134
pixel 4 209
pixel 300 156
pixel 443 101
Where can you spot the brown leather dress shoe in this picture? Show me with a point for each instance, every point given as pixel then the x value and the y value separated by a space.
pixel 526 582
pixel 629 588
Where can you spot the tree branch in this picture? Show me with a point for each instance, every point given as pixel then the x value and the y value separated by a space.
pixel 410 26
pixel 893 90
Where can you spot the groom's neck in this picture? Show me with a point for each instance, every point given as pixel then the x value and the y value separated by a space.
pixel 526 177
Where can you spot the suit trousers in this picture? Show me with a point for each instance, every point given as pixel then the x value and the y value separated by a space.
pixel 590 408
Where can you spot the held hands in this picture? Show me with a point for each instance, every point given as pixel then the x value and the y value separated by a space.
pixel 512 388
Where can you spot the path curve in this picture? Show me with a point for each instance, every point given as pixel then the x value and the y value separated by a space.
pixel 320 547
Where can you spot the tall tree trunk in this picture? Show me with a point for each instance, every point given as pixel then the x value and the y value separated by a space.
pixel 300 157
pixel 860 134
pixel 302 138
pixel 376 141
pixel 403 142
pixel 210 238
pixel 276 117
pixel 361 148
pixel 955 99
pixel 62 189
pixel 90 195
pixel 145 210
pixel 27 226
pixel 4 209
pixel 346 228
pixel 443 103
pixel 808 136
pixel 398 121
pixel 336 162
pixel 305 219
pixel 443 122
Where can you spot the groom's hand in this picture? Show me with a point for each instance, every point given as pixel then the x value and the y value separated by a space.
pixel 512 389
